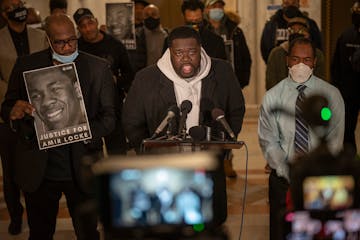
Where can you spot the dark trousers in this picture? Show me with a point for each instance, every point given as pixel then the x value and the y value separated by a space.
pixel 116 142
pixel 10 188
pixel 278 187
pixel 42 208
pixel 351 118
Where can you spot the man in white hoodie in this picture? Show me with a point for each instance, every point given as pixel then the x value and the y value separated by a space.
pixel 184 72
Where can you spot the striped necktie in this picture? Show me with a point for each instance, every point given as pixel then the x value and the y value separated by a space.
pixel 301 127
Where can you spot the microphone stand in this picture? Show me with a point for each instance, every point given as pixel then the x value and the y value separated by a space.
pixel 168 130
pixel 182 134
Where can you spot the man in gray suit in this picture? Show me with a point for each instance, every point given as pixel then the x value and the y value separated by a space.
pixel 15 40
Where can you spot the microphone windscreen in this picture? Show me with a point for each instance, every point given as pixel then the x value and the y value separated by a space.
pixel 197 133
pixel 186 106
pixel 217 112
pixel 174 109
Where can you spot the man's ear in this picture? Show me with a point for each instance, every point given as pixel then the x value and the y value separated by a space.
pixel 77 89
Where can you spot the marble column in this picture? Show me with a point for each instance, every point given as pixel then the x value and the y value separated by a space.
pixel 253 17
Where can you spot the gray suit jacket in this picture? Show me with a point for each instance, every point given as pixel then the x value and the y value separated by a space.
pixel 8 55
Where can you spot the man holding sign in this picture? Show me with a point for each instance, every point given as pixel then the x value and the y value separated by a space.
pixel 45 175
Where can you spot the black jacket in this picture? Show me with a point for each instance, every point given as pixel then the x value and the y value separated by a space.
pixel 268 37
pixel 98 92
pixel 116 54
pixel 242 58
pixel 213 44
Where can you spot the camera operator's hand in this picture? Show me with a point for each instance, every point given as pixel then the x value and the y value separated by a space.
pixel 20 109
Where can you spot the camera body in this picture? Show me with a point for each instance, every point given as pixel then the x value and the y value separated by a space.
pixel 325 196
pixel 322 174
pixel 158 196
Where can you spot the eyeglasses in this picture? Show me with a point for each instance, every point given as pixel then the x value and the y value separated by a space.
pixel 61 43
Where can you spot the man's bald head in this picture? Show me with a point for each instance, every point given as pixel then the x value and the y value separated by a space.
pixel 61 32
pixel 58 22
pixel 151 10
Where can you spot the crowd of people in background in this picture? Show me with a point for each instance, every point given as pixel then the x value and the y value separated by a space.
pixel 127 90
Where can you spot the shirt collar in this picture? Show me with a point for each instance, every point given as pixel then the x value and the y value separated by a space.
pixel 309 83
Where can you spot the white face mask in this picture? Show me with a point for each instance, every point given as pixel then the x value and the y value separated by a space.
pixel 300 72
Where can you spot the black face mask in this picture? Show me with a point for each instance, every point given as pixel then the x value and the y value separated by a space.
pixel 151 23
pixel 197 26
pixel 18 14
pixel 355 18
pixel 292 11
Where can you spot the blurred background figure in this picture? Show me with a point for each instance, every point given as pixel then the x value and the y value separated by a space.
pixel 138 57
pixel 276 68
pixel 222 25
pixel 99 43
pixel 139 12
pixel 155 34
pixel 15 40
pixel 58 6
pixel 33 18
pixel 275 31
pixel 2 21
pixel 213 44
pixel 345 73
pixel 237 52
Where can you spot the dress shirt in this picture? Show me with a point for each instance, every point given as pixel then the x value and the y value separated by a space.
pixel 276 129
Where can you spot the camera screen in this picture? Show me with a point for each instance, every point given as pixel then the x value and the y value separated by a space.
pixel 328 192
pixel 342 225
pixel 157 196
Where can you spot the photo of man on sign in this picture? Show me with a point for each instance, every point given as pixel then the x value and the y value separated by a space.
pixel 60 114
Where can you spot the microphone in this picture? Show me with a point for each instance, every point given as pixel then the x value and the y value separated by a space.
pixel 172 112
pixel 197 133
pixel 218 115
pixel 185 108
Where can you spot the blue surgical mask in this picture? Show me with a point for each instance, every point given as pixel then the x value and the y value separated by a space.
pixel 65 58
pixel 216 14
pixel 62 58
